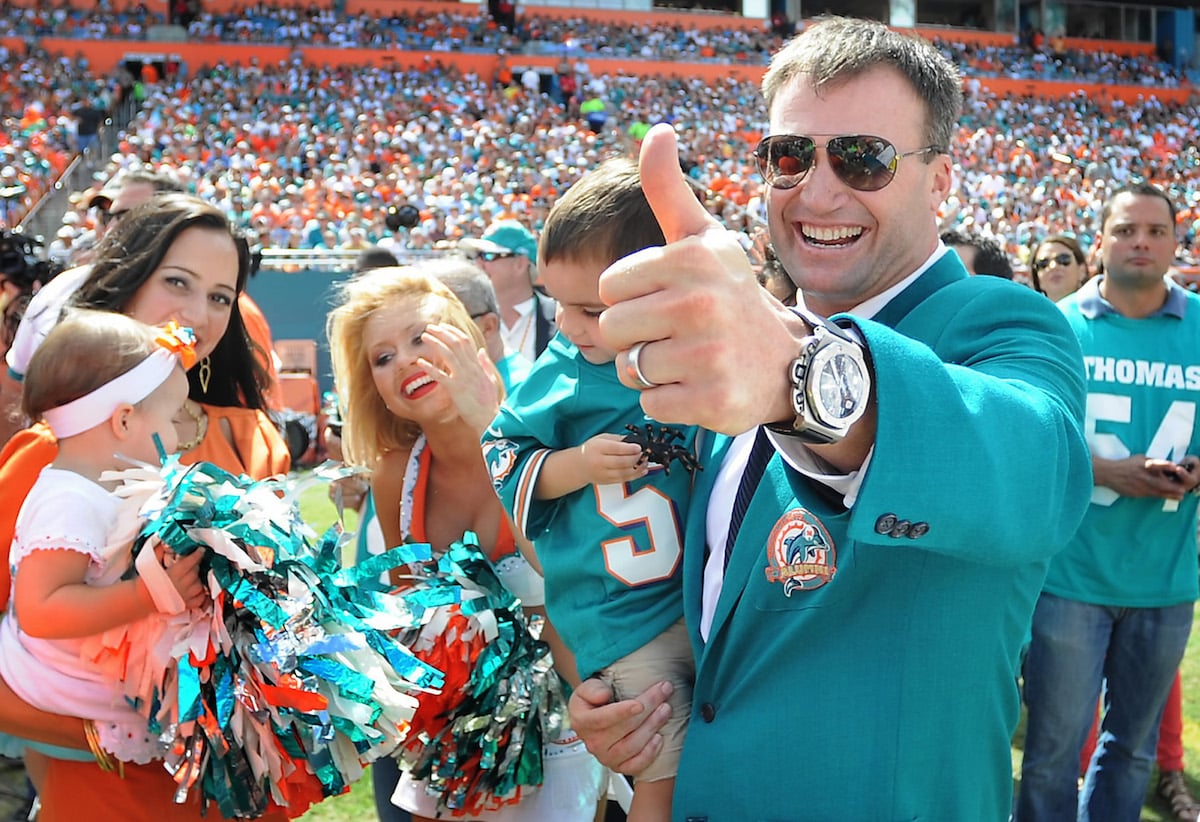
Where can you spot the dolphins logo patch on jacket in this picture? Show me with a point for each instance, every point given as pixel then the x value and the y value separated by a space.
pixel 800 552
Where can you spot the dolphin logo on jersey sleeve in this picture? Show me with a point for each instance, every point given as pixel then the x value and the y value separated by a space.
pixel 501 458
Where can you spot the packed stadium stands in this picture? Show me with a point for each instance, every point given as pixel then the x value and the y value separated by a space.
pixel 310 156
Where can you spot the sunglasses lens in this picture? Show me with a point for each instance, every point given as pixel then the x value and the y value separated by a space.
pixel 862 162
pixel 783 161
pixel 1062 258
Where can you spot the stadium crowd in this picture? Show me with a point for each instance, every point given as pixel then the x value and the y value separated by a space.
pixel 533 33
pixel 313 156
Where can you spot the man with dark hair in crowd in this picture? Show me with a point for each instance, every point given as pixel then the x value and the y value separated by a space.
pixel 134 188
pixel 980 254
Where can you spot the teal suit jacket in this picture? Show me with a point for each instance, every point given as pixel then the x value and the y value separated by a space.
pixel 862 664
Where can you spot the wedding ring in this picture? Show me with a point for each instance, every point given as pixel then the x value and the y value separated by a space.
pixel 633 367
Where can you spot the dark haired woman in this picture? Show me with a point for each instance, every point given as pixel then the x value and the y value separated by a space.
pixel 173 258
pixel 1058 266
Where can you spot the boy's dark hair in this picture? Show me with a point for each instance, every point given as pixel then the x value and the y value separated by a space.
pixel 602 217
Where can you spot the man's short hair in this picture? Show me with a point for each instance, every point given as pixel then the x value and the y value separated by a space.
pixel 835 49
pixel 374 256
pixel 469 282
pixel 1139 190
pixel 160 181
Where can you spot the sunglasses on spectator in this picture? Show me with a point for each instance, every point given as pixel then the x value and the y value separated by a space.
pixel 1061 258
pixel 106 217
pixel 492 256
pixel 863 162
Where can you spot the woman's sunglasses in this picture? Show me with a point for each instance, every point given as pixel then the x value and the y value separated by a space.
pixel 1061 258
pixel 863 162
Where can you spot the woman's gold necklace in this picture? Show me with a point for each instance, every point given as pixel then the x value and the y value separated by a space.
pixel 201 420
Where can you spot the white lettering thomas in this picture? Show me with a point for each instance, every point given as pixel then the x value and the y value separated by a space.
pixel 1143 372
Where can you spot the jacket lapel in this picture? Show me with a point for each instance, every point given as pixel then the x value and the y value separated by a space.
pixel 543 328
pixel 946 270
pixel 712 449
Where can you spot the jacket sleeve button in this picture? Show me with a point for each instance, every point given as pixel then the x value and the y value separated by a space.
pixel 884 524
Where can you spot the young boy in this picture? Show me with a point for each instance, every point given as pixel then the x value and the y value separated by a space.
pixel 604 518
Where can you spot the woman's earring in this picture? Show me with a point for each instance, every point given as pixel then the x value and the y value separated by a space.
pixel 205 374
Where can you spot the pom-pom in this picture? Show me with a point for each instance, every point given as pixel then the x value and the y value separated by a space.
pixel 479 744
pixel 292 677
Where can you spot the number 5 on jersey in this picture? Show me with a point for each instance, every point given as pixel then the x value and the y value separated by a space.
pixel 651 551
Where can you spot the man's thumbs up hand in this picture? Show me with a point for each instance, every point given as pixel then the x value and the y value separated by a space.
pixel 680 214
pixel 716 345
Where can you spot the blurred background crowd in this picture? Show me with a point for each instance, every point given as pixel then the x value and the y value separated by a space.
pixel 315 157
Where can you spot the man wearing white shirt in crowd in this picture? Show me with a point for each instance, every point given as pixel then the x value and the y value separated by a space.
pixel 508 253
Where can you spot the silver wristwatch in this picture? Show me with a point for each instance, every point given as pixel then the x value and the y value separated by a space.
pixel 830 386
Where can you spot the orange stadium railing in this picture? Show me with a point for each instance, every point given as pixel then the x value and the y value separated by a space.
pixel 105 55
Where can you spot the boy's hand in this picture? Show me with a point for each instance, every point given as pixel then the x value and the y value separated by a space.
pixel 608 459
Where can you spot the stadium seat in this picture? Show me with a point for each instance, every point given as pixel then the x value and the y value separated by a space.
pixel 301 397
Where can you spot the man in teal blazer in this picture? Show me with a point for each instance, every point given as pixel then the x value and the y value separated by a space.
pixel 882 685
pixel 858 639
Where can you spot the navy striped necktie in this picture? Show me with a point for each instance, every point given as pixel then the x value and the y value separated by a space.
pixel 760 455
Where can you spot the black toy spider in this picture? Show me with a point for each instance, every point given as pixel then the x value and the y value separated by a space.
pixel 658 446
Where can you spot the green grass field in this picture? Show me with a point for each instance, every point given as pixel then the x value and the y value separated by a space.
pixel 358 805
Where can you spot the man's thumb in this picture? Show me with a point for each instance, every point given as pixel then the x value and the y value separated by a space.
pixel 673 200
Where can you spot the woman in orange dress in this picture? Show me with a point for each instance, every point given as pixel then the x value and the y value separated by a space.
pixel 173 258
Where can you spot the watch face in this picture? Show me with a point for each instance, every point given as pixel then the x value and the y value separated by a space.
pixel 840 386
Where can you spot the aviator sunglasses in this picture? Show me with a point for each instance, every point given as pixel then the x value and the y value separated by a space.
pixel 1061 258
pixel 863 162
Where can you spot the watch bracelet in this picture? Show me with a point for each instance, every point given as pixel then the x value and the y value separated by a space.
pixel 797 372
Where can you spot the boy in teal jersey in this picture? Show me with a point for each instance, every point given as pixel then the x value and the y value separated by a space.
pixel 605 518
